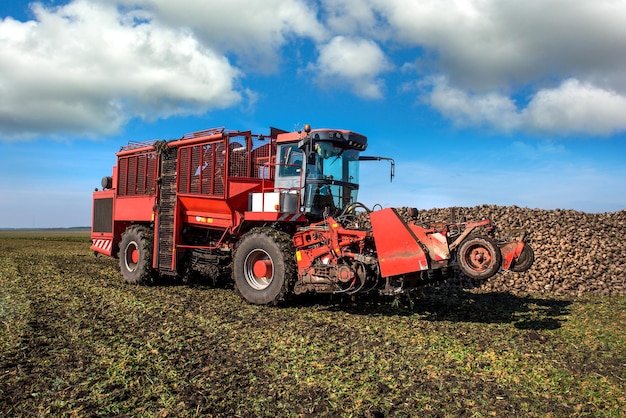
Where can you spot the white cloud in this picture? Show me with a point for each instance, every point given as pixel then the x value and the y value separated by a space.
pixel 253 30
pixel 355 62
pixel 487 51
pixel 489 109
pixel 578 108
pixel 489 43
pixel 572 107
pixel 354 17
pixel 87 68
pixel 106 62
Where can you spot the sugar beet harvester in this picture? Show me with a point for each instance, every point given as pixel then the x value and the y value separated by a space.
pixel 280 213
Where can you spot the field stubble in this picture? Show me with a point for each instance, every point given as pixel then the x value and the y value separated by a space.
pixel 76 341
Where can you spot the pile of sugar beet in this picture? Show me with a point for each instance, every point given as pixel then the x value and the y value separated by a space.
pixel 575 252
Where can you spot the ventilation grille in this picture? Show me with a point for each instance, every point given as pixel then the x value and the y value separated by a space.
pixel 137 174
pixel 261 156
pixel 239 157
pixel 103 215
pixel 201 169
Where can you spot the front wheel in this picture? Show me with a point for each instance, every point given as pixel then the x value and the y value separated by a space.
pixel 479 257
pixel 136 255
pixel 264 266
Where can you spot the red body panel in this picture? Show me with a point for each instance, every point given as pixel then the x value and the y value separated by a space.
pixel 136 208
pixel 397 246
pixel 215 213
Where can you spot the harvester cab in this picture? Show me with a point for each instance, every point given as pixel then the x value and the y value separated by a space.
pixel 323 167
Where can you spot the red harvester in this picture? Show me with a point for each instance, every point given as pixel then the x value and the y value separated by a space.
pixel 280 212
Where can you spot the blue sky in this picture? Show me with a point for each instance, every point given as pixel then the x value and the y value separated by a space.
pixel 479 102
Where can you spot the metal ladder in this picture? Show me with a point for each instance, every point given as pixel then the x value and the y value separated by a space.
pixel 166 211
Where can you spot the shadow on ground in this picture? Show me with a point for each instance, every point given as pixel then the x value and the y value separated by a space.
pixel 525 312
pixel 454 303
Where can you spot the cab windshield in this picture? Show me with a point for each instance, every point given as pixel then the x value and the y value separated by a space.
pixel 332 178
pixel 338 163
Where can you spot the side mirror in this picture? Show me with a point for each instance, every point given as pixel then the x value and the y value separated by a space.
pixel 392 163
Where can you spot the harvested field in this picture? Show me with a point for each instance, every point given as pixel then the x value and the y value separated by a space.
pixel 75 340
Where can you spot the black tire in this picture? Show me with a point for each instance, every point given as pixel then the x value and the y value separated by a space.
pixel 136 255
pixel 525 260
pixel 479 258
pixel 264 266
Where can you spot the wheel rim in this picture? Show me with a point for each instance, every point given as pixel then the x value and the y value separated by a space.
pixel 478 257
pixel 131 256
pixel 258 269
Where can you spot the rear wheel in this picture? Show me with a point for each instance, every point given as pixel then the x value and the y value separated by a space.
pixel 136 255
pixel 479 257
pixel 264 266
pixel 525 259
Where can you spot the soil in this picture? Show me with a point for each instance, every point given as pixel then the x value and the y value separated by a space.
pixel 78 341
